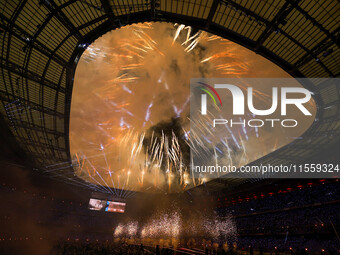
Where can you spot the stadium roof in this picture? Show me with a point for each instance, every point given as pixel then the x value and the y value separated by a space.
pixel 42 41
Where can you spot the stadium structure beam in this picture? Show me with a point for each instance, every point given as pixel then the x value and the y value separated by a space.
pixel 274 23
pixel 320 47
pixel 313 54
pixel 32 126
pixel 153 8
pixel 212 12
pixel 36 144
pixel 12 67
pixel 37 107
pixel 94 21
pixel 45 157
pixel 309 52
pixel 42 26
pixel 246 11
pixel 56 98
pixel 67 3
pixel 57 12
pixel 23 36
pixel 42 145
pixel 315 23
pixel 268 24
pixel 108 10
pixel 103 28
pixel 17 12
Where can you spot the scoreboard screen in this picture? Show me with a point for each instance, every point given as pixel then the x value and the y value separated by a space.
pixel 97 204
pixel 115 206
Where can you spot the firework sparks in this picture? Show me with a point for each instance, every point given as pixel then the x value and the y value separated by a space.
pixel 139 78
pixel 172 224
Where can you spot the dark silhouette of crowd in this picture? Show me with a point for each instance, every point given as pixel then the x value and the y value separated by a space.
pixel 295 198
pixel 98 248
pixel 305 219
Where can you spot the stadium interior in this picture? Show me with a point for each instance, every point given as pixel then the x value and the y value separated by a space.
pixel 54 196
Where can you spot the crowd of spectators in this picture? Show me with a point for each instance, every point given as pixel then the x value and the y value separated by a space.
pixel 245 246
pixel 98 248
pixel 289 245
pixel 296 198
pixel 303 219
pixel 310 220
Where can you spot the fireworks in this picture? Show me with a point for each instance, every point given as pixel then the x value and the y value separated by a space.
pixel 137 81
pixel 165 225
pixel 171 224
pixel 119 231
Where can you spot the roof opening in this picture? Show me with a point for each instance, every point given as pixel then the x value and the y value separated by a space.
pixel 130 105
